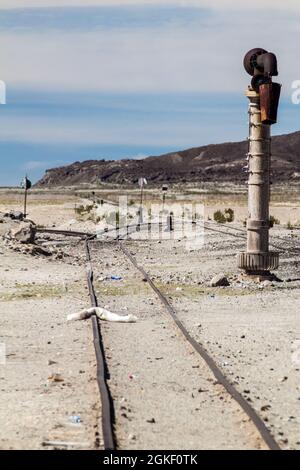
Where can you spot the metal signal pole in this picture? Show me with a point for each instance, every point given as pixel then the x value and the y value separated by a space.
pixel 263 95
pixel 26 184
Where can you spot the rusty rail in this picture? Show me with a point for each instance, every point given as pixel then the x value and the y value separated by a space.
pixel 107 409
pixel 220 377
pixel 67 233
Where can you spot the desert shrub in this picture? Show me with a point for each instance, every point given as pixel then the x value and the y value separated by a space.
pixel 223 217
pixel 274 221
pixel 89 208
pixel 79 209
pixel 219 217
pixel 229 214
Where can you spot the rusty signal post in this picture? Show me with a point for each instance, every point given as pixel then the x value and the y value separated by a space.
pixel 263 95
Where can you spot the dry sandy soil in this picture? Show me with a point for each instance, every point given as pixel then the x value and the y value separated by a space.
pixel 164 395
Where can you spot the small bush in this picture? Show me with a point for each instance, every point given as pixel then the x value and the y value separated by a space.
pixel 79 210
pixel 219 217
pixel 223 217
pixel 229 214
pixel 274 221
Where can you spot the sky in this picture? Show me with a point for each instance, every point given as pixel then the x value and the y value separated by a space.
pixel 88 79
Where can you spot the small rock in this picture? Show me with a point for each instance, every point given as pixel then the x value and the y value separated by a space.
pixel 219 280
pixel 50 362
pixel 23 233
pixel 15 215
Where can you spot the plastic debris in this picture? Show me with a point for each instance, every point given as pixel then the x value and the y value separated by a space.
pixel 116 278
pixel 102 314
pixel 83 445
pixel 75 419
pixel 132 376
pixel 55 378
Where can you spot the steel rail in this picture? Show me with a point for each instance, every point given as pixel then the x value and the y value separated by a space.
pixel 68 233
pixel 107 408
pixel 220 377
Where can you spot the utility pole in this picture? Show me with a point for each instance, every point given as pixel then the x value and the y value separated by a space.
pixel 263 95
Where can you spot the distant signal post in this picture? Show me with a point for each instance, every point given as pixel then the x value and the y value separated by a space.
pixel 26 185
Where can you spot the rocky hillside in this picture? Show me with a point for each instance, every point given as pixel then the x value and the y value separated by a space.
pixel 221 162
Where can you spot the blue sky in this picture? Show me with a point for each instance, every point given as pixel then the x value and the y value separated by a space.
pixel 131 80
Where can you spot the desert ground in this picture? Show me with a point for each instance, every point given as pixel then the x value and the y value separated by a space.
pixel 165 397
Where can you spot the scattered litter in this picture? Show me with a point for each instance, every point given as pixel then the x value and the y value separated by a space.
pixel 50 362
pixel 72 222
pixel 82 445
pixel 132 376
pixel 265 407
pixel 283 379
pixel 102 314
pixel 55 378
pixel 116 278
pixel 152 420
pixel 75 419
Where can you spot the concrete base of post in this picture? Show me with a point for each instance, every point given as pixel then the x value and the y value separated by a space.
pixel 258 261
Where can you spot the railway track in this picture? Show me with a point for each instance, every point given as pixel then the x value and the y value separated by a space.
pixel 223 229
pixel 108 414
pixel 107 408
pixel 220 377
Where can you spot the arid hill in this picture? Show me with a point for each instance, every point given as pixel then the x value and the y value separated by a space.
pixel 221 162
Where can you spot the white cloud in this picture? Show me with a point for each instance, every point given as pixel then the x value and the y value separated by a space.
pixel 41 130
pixel 215 4
pixel 170 59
